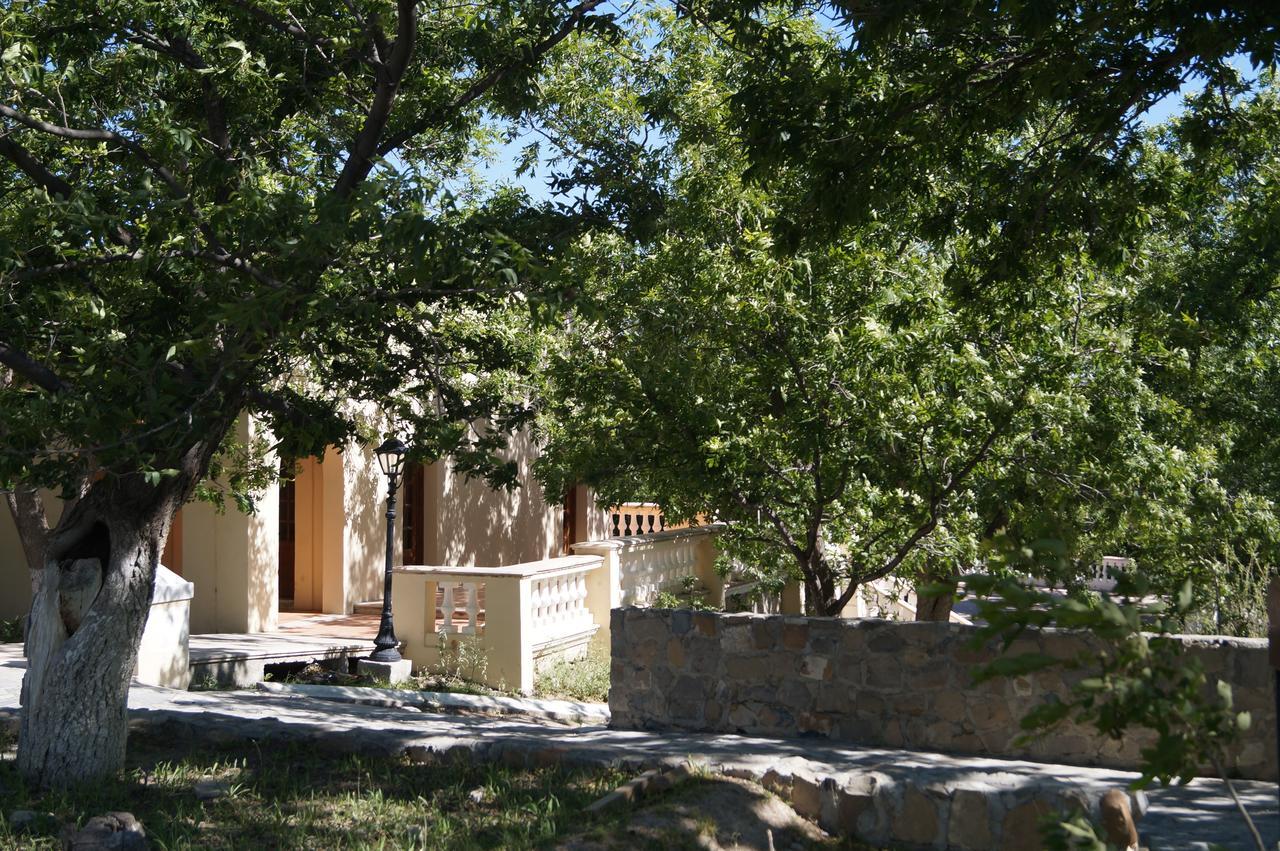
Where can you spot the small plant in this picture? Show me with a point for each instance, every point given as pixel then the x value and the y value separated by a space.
pixel 690 596
pixel 462 658
pixel 586 678
pixel 11 631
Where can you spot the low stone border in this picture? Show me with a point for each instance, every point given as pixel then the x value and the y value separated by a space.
pixel 652 782
pixel 562 711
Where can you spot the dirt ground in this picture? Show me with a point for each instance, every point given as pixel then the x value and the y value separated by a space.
pixel 716 814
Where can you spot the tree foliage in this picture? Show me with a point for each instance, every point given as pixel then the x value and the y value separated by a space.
pixel 210 209
pixel 853 406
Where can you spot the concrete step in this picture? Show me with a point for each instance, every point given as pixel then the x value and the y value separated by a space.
pixel 369 607
pixel 241 659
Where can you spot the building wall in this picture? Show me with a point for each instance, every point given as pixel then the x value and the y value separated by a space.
pixel 889 683
pixel 233 560
pixel 364 528
pixel 340 545
pixel 471 524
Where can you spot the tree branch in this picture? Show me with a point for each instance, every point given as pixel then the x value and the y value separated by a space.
pixel 935 510
pixel 479 87
pixel 37 373
pixel 33 168
pixel 99 135
pixel 365 147
pixel 52 183
pixel 282 26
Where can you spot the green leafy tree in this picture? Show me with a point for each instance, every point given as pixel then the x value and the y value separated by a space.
pixel 218 208
pixel 842 407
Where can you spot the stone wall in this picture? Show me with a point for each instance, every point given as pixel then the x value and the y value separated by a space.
pixel 886 683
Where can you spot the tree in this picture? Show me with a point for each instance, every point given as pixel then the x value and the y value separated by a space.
pixel 899 94
pixel 852 405
pixel 211 209
pixel 839 406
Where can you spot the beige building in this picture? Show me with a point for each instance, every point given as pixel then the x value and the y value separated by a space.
pixel 318 543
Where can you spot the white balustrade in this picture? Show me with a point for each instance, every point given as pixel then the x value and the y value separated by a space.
pixel 650 564
pixel 544 609
pixel 559 606
pixel 451 594
pixel 515 614
pixel 1107 571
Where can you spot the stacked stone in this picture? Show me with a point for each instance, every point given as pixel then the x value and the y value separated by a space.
pixel 896 684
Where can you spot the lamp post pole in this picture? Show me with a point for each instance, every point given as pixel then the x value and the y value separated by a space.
pixel 390 455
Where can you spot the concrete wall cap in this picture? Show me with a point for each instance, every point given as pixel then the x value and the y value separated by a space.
pixel 170 587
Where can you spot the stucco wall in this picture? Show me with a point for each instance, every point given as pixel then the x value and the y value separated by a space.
pixel 469 523
pixel 876 682
pixel 233 559
pixel 364 534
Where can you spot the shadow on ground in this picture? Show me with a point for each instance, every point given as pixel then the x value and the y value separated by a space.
pixel 719 814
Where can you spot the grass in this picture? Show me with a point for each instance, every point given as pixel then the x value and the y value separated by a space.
pixel 295 797
pixel 581 679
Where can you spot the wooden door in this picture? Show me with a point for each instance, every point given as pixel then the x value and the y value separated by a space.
pixel 288 536
pixel 413 527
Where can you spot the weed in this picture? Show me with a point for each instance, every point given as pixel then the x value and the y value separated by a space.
pixel 578 679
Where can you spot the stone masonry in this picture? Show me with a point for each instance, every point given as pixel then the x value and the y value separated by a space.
pixel 886 683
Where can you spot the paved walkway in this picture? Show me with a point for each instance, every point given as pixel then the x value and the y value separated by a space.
pixel 809 771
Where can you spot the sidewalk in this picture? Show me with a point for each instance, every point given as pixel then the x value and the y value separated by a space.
pixel 878 794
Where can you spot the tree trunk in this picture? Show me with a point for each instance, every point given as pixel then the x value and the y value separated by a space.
pixel 33 528
pixel 86 622
pixel 820 597
pixel 935 606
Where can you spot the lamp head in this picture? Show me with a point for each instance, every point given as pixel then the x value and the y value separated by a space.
pixel 391 456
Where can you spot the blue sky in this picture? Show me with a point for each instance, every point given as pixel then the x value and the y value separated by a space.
pixel 1172 104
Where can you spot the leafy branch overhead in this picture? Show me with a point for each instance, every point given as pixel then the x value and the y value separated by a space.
pixel 851 403
pixel 206 206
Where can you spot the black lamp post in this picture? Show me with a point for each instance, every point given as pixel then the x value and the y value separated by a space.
pixel 391 459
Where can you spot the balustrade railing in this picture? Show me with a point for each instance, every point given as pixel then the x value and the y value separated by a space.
pixel 517 615
pixel 639 518
pixel 454 599
pixel 514 614
pixel 645 565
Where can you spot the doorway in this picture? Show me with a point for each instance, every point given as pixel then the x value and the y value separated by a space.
pixel 414 527
pixel 288 542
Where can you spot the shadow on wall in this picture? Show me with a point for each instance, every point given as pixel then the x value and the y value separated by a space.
pixel 264 562
pixel 477 525
pixel 365 503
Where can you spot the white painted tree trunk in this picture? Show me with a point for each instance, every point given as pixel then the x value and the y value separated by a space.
pixel 86 622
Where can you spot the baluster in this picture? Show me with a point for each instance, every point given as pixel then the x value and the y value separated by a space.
pixel 473 606
pixel 538 599
pixel 662 521
pixel 649 517
pixel 627 519
pixel 617 530
pixel 447 607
